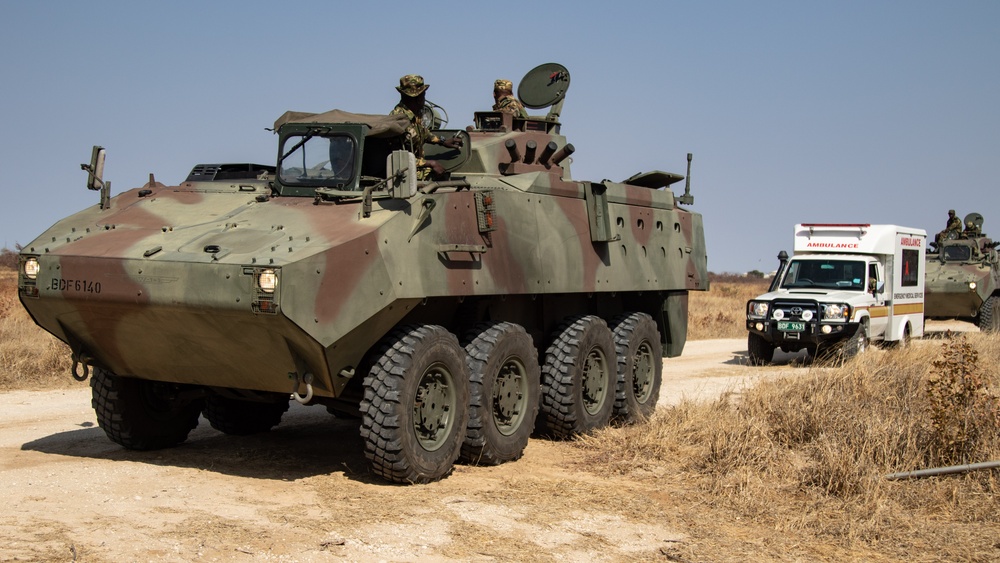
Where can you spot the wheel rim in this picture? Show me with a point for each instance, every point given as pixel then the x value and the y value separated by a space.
pixel 595 381
pixel 643 372
pixel 509 392
pixel 433 407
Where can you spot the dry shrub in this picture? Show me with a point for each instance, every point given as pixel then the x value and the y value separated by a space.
pixel 807 454
pixel 964 413
pixel 720 312
pixel 30 358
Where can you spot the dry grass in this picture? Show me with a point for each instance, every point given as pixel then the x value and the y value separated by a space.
pixel 30 358
pixel 720 312
pixel 802 460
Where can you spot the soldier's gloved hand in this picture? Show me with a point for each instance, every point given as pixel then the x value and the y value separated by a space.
pixel 452 143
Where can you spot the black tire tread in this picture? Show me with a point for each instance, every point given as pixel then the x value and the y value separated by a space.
pixel 565 416
pixel 385 416
pixel 483 446
pixel 626 327
pixel 122 415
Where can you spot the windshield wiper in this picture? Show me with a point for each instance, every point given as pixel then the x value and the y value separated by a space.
pixel 305 139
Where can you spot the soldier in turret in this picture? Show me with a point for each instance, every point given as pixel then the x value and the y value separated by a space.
pixel 411 104
pixel 505 101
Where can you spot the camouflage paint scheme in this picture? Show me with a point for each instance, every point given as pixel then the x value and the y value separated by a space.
pixel 132 289
pixel 163 284
pixel 952 270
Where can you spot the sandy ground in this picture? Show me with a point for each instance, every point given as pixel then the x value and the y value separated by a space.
pixel 302 492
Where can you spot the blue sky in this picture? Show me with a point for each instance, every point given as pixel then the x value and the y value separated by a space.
pixel 797 111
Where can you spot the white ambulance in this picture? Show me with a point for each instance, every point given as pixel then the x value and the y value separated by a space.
pixel 846 285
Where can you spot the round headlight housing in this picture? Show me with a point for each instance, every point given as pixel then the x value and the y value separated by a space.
pixel 972 286
pixel 267 280
pixel 31 268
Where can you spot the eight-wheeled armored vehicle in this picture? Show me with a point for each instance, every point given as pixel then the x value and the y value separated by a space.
pixel 452 316
pixel 963 277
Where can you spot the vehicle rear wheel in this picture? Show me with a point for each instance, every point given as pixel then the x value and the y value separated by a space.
pixel 415 407
pixel 503 393
pixel 640 366
pixel 143 415
pixel 242 418
pixel 759 350
pixel 579 378
pixel 989 315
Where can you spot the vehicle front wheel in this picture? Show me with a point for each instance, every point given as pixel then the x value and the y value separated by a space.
pixel 143 415
pixel 759 350
pixel 415 406
pixel 504 386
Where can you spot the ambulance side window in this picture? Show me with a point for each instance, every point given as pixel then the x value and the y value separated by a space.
pixel 873 276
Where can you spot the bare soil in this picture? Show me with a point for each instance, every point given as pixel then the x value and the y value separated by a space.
pixel 302 491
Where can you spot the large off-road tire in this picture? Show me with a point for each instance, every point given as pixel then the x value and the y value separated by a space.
pixel 579 378
pixel 640 366
pixel 759 351
pixel 989 314
pixel 415 407
pixel 242 418
pixel 856 344
pixel 503 393
pixel 140 414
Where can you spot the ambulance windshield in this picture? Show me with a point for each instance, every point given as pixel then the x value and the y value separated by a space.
pixel 825 274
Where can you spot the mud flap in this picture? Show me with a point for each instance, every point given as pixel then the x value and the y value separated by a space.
pixel 674 323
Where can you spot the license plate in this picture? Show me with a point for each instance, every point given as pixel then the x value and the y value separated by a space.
pixel 790 326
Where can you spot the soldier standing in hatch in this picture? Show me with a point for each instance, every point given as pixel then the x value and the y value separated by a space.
pixel 503 96
pixel 411 104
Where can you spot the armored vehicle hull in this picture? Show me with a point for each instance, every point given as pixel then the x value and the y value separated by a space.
pixel 445 314
pixel 963 278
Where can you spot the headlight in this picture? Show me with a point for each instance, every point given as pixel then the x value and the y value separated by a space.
pixel 807 315
pixel 972 286
pixel 758 309
pixel 836 312
pixel 268 281
pixel 31 268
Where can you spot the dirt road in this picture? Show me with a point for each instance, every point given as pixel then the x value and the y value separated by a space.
pixel 302 492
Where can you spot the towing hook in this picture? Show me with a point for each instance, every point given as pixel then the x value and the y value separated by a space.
pixel 307 379
pixel 75 371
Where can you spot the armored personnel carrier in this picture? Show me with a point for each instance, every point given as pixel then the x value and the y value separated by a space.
pixel 452 316
pixel 963 277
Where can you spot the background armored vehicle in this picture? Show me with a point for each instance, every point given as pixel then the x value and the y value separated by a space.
pixel 451 316
pixel 963 277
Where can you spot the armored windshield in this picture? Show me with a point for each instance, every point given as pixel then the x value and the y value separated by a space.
pixel 825 274
pixel 318 160
pixel 957 253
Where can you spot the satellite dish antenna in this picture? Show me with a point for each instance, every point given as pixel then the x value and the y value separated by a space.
pixel 545 86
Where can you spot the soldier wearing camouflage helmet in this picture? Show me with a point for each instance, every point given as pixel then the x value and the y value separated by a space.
pixel 411 104
pixel 503 96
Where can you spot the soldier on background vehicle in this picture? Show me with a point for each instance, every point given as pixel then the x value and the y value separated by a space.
pixel 411 104
pixel 952 230
pixel 503 96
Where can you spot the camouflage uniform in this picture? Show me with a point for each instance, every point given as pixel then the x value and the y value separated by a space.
pixel 507 103
pixel 954 226
pixel 417 133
